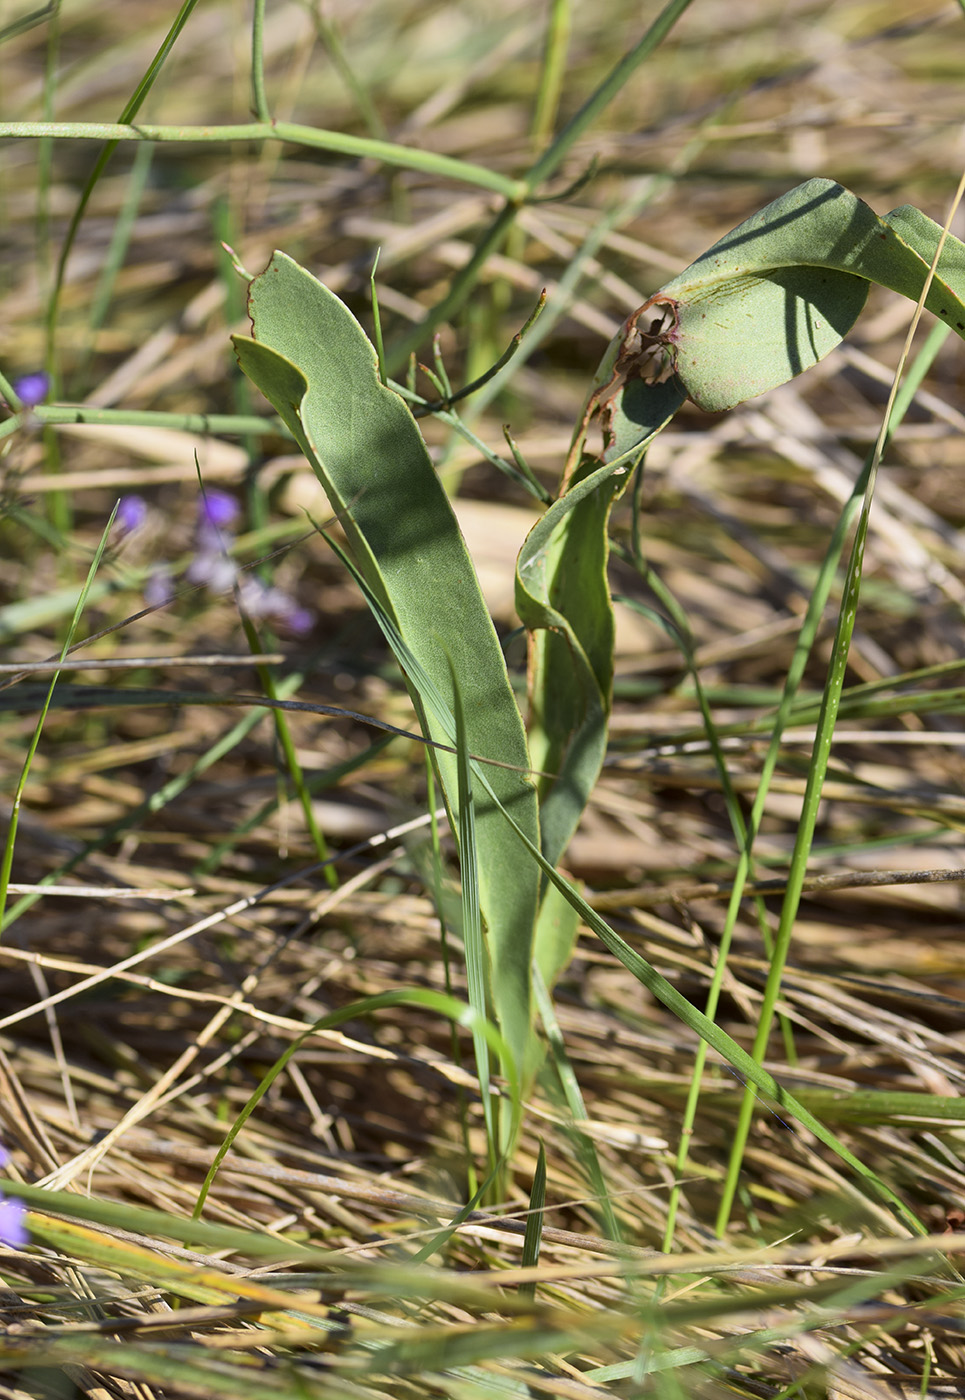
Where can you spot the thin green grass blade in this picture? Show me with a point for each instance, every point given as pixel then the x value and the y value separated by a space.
pixel 552 70
pixel 131 108
pixel 533 1238
pixel 777 724
pixel 544 168
pixel 569 1084
pixel 328 33
pixel 830 704
pixel 156 1224
pixel 121 235
pixel 28 21
pixel 715 1037
pixel 480 976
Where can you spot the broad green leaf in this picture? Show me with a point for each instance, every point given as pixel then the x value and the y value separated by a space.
pixel 563 598
pixel 312 360
pixel 638 414
pixel 781 290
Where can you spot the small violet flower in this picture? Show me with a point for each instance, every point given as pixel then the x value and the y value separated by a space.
pixel 217 510
pixel 31 389
pixel 212 566
pixel 159 588
pixel 212 569
pixel 131 513
pixel 13 1229
pixel 271 603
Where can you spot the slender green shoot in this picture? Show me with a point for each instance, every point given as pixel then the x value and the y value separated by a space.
pixel 259 98
pixel 474 945
pixel 830 704
pixel 533 1237
pixel 377 318
pixel 552 71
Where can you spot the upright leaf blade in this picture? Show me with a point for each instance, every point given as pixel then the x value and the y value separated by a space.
pixel 563 598
pixel 311 359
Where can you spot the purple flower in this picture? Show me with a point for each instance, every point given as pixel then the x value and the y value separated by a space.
pixel 159 588
pixel 273 604
pixel 13 1230
pixel 31 389
pixel 213 569
pixel 131 513
pixel 216 510
pixel 298 620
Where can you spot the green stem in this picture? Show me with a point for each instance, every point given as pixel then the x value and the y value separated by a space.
pixel 547 164
pixel 553 69
pixel 830 704
pixel 599 100
pixel 258 95
pixel 236 425
pixel 361 147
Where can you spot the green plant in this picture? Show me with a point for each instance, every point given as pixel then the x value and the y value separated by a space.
pixel 769 300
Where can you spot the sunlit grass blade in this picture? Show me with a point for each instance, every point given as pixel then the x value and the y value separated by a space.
pixel 715 1037
pixel 821 753
pixel 479 972
pixel 534 1222
pixel 572 1095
